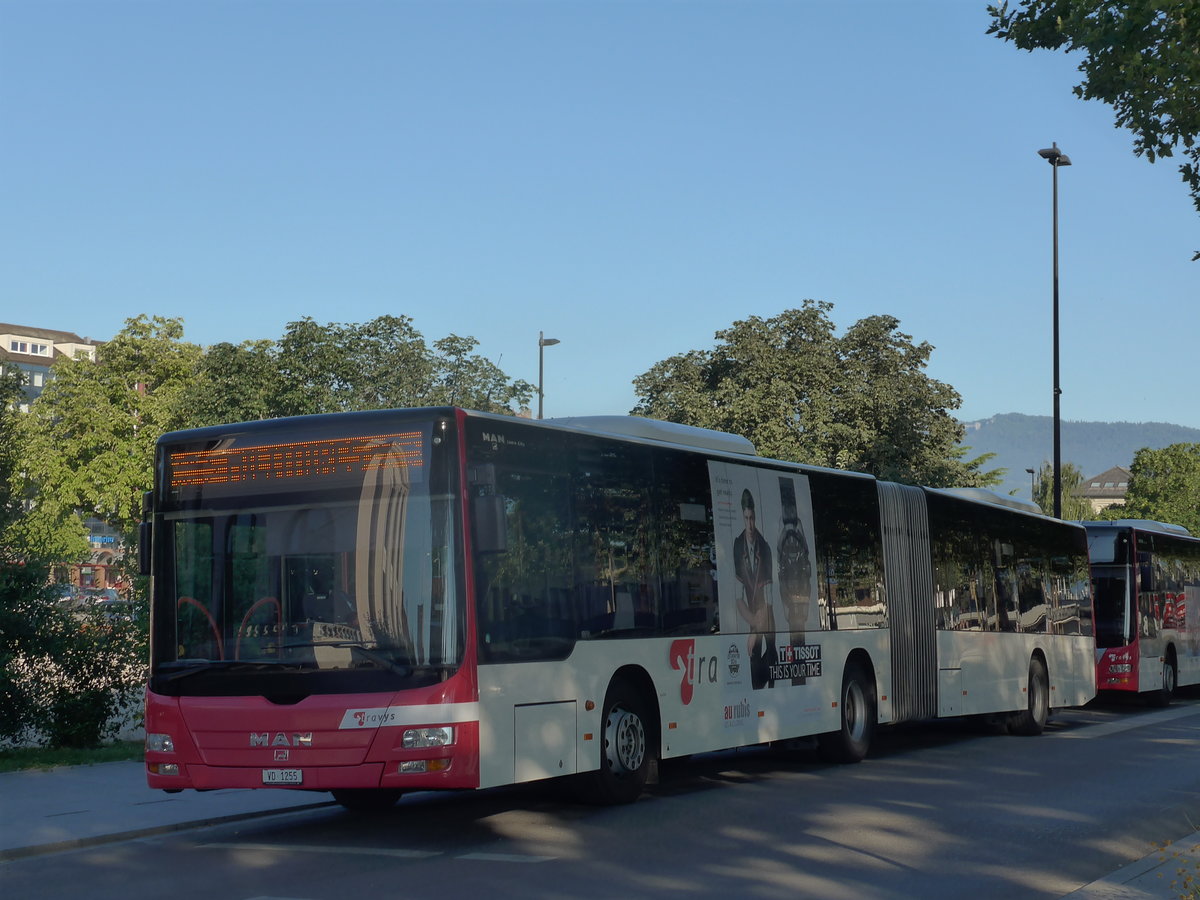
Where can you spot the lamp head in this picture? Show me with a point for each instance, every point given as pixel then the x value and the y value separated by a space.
pixel 1054 156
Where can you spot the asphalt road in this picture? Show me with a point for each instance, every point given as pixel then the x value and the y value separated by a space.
pixel 941 811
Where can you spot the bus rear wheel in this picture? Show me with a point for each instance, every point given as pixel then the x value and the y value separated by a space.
pixel 1165 694
pixel 366 799
pixel 1032 719
pixel 850 743
pixel 625 748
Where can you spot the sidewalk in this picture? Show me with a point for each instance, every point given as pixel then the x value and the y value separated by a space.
pixel 1150 877
pixel 44 811
pixel 80 806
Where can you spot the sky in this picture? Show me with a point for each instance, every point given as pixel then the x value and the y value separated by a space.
pixel 628 177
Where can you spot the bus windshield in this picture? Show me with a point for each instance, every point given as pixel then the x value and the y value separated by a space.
pixel 331 556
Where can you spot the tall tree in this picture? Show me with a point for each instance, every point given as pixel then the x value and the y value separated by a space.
pixel 1164 485
pixel 862 401
pixel 313 366
pixel 1139 56
pixel 382 364
pixel 12 381
pixel 390 365
pixel 233 384
pixel 464 378
pixel 90 434
pixel 1074 507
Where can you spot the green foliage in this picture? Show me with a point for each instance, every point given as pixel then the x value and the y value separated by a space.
pixel 862 401
pixel 66 676
pixel 1138 56
pixel 1074 507
pixel 1164 485
pixel 313 368
pixel 232 384
pixel 464 378
pixel 89 437
pixel 12 380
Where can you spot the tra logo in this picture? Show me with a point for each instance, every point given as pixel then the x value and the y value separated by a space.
pixel 280 739
pixel 695 669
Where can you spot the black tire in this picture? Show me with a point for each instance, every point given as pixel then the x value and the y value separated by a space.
pixel 367 799
pixel 626 748
pixel 1170 683
pixel 850 743
pixel 1032 720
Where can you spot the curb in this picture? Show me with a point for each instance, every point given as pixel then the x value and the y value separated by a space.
pixel 16 853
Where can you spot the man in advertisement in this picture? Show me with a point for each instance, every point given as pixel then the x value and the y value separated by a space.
pixel 753 570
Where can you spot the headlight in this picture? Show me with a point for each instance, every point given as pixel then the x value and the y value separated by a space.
pixel 420 738
pixel 160 743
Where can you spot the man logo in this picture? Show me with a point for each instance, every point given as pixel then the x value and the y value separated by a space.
pixel 280 739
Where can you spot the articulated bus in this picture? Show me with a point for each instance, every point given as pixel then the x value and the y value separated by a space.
pixel 381 602
pixel 1146 581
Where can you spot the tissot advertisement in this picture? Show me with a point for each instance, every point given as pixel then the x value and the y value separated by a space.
pixel 766 577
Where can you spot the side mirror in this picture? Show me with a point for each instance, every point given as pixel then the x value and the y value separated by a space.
pixel 144 532
pixel 491 525
pixel 487 510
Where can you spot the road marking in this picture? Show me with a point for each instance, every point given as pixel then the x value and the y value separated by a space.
pixel 317 848
pixel 1154 718
pixel 394 852
pixel 505 857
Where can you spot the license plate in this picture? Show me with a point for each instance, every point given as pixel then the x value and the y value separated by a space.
pixel 283 776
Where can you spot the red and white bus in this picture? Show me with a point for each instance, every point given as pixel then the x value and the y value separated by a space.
pixel 1146 580
pixel 380 602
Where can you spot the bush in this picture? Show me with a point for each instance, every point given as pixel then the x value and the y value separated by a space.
pixel 69 676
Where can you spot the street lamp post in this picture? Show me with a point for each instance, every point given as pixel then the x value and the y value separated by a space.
pixel 1032 485
pixel 1057 159
pixel 543 343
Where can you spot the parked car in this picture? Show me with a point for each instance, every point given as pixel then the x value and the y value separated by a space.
pixel 112 605
pixel 67 596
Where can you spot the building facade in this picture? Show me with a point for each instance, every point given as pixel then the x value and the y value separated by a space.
pixel 1106 489
pixel 34 350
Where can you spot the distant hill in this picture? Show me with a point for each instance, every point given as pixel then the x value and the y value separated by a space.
pixel 1023 442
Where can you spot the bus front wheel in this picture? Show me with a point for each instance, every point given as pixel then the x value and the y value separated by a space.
pixel 1032 719
pixel 850 743
pixel 625 748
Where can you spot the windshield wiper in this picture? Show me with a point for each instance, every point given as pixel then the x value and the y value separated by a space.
pixel 231 665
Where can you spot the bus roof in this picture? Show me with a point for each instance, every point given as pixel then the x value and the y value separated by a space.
pixel 656 430
pixel 983 495
pixel 1140 525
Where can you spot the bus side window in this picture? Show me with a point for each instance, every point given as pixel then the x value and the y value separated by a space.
pixel 849 551
pixel 683 510
pixel 614 563
pixel 522 597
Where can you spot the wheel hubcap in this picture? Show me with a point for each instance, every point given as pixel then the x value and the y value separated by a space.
pixel 1040 701
pixel 625 741
pixel 854 705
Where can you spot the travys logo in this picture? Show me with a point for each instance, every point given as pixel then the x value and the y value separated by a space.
pixel 694 669
pixel 371 718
